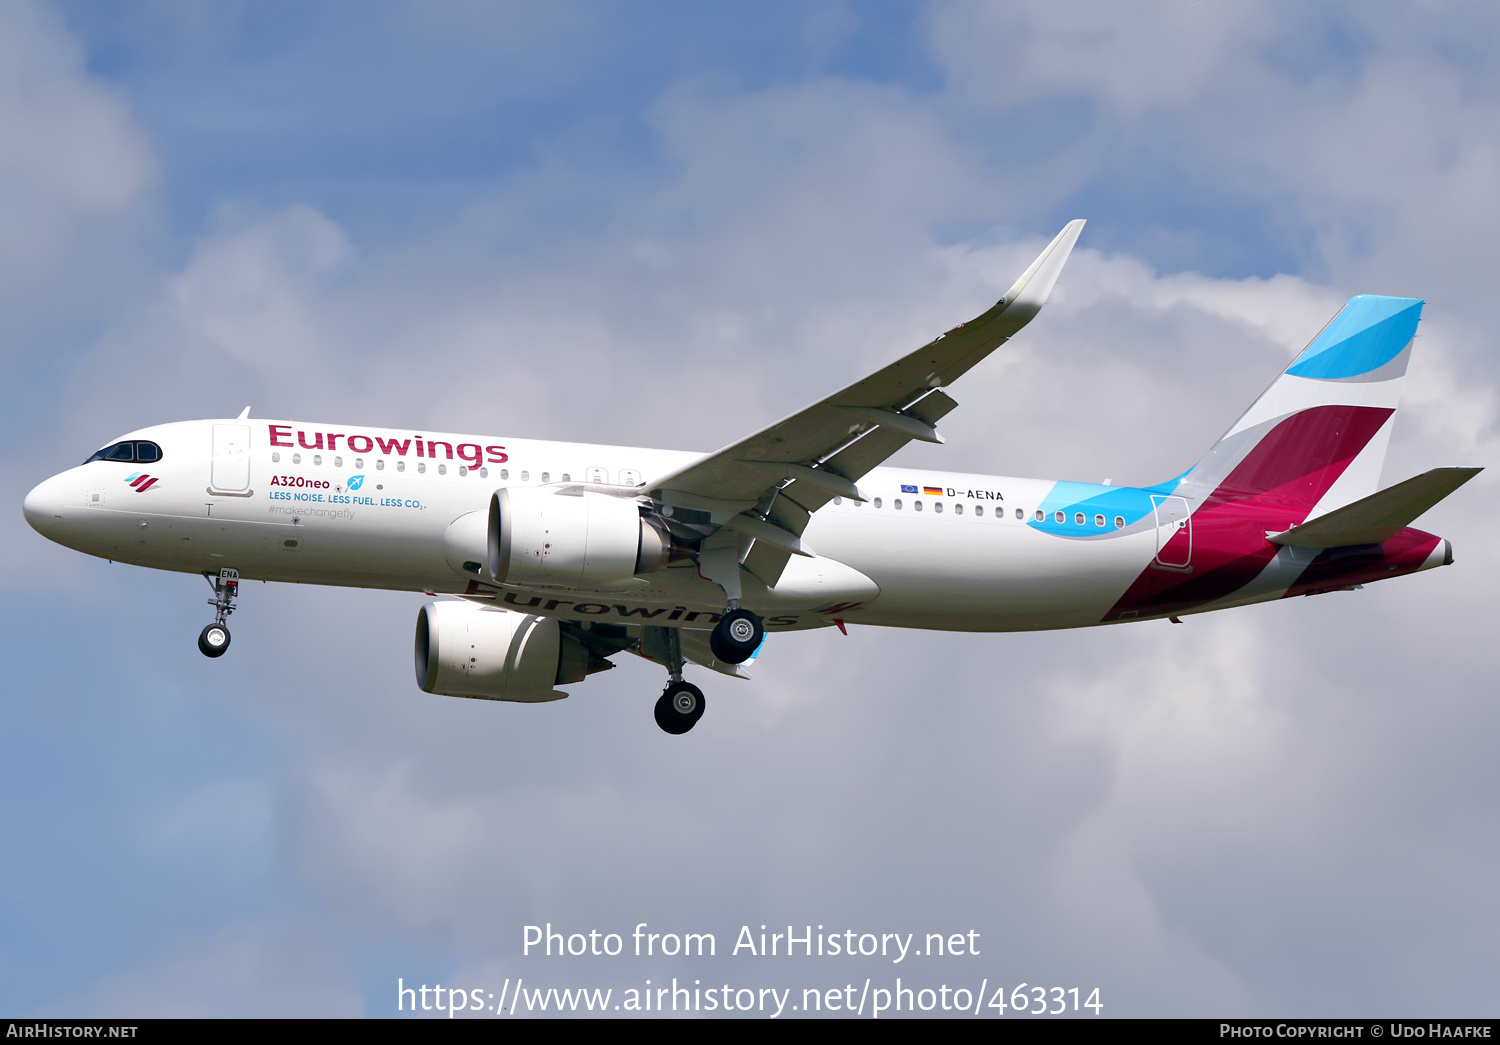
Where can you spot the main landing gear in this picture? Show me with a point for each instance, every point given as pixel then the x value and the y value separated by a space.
pixel 737 636
pixel 213 640
pixel 734 640
pixel 679 707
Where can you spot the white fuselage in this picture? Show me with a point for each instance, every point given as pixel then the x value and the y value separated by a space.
pixel 329 504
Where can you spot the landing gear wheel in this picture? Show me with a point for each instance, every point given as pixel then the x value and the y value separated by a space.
pixel 736 637
pixel 679 708
pixel 213 640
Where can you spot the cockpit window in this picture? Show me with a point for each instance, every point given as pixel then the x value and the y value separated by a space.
pixel 134 450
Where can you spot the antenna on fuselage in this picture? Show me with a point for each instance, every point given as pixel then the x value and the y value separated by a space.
pixel 243 414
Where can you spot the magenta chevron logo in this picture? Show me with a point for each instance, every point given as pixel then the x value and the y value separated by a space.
pixel 141 482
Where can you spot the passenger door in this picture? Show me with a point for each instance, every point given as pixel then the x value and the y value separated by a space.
pixel 230 472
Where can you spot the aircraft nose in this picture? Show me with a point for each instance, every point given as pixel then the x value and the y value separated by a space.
pixel 43 506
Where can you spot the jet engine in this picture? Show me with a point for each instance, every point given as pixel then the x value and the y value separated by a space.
pixel 571 538
pixel 466 650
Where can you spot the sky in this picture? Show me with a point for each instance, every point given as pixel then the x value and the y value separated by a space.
pixel 668 225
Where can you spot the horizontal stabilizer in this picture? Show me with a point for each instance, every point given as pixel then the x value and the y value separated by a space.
pixel 1376 519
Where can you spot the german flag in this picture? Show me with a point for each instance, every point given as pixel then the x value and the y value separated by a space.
pixel 932 491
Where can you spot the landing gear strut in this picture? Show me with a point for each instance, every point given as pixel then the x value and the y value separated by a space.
pixel 680 705
pixel 213 640
pixel 737 636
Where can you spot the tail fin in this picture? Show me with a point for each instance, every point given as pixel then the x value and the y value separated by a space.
pixel 1316 439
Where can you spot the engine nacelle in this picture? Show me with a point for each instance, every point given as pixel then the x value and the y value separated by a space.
pixel 570 538
pixel 465 650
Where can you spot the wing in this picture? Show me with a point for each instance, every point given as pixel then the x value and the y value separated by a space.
pixel 765 488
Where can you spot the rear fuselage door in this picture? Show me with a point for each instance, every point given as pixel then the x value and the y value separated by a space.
pixel 1174 531
pixel 231 459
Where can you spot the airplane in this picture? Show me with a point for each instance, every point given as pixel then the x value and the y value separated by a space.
pixel 563 555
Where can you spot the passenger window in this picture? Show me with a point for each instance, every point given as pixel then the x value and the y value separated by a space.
pixel 484 473
pixel 359 462
pixel 463 470
pixel 916 506
pixel 1020 513
pixel 1077 518
pixel 937 506
pixel 400 466
pixel 878 502
pixel 1041 516
pixel 505 473
pixel 317 458
pixel 896 504
pixel 296 458
pixel 380 465
pixel 1060 516
pixel 338 462
pixel 1098 520
pixel 567 478
pixel 978 509
pixel 546 477
pixel 442 469
pixel 525 476
pixel 421 467
pixel 1119 522
pixel 275 456
pixel 838 500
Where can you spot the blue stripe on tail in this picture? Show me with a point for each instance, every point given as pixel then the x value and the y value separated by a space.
pixel 1368 333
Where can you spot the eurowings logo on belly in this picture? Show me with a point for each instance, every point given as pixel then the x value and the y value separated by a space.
pixel 141 482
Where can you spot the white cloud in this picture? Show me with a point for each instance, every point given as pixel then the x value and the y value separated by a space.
pixel 75 176
pixel 1365 126
pixel 1160 53
pixel 245 293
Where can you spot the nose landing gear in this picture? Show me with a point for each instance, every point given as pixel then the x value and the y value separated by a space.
pixel 213 640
